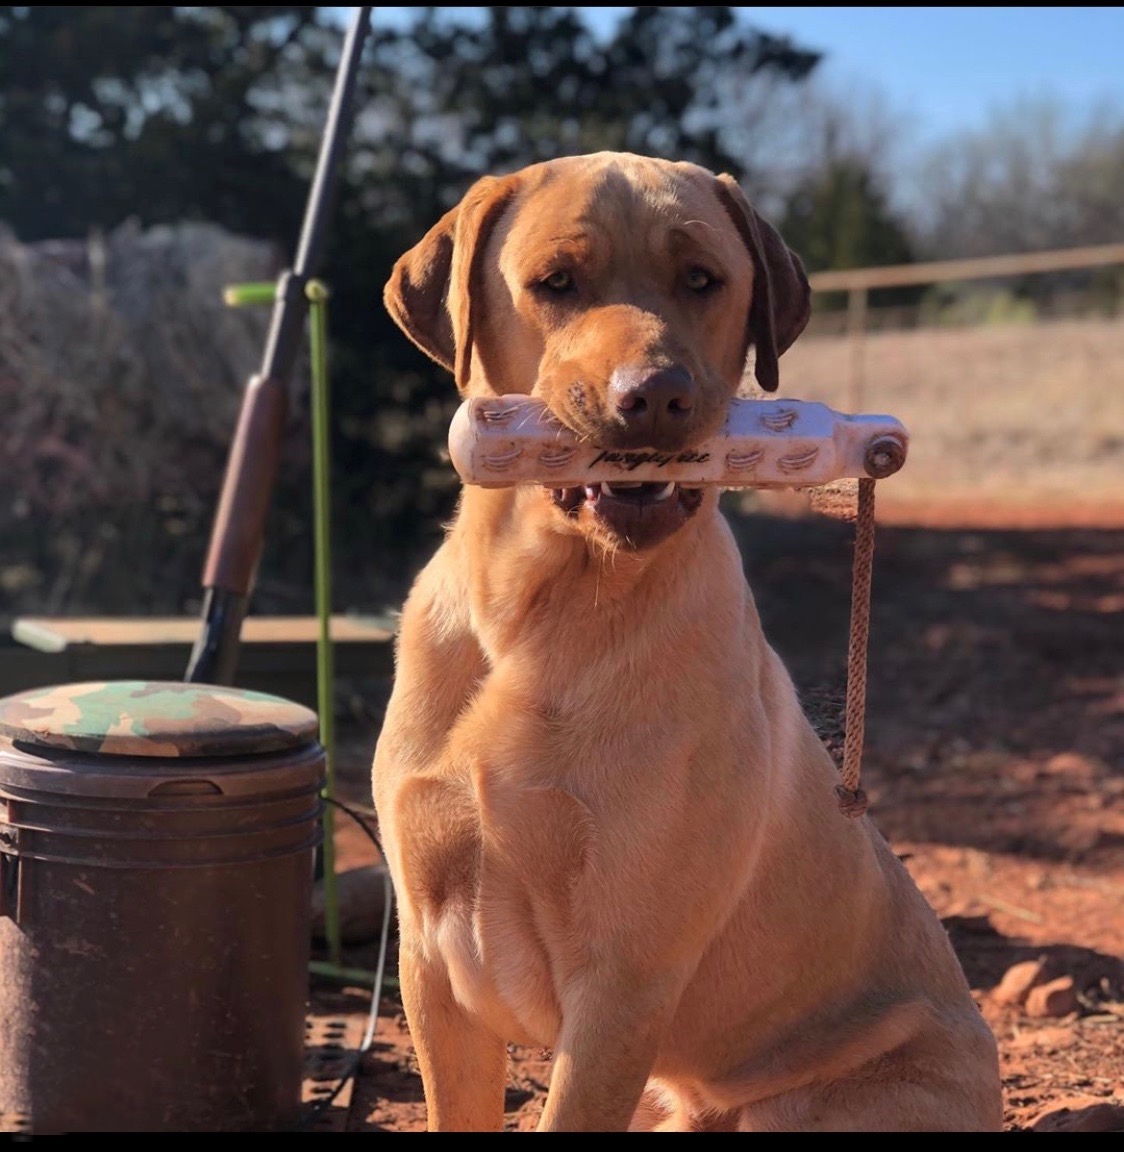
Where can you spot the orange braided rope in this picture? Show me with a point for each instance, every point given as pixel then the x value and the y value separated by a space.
pixel 852 799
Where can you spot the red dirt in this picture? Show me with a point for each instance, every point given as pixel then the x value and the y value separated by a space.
pixel 994 763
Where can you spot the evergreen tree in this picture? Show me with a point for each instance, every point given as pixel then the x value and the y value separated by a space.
pixel 161 113
pixel 838 217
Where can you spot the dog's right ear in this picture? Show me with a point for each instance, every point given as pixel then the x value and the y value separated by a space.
pixel 431 290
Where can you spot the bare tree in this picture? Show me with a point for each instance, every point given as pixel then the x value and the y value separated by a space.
pixel 1035 176
pixel 790 135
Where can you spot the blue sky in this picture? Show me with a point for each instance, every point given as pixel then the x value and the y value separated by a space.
pixel 946 69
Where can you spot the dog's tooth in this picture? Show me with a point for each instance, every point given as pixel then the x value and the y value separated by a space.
pixel 666 492
pixel 592 491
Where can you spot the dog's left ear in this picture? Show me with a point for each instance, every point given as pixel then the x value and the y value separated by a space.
pixel 782 299
pixel 431 290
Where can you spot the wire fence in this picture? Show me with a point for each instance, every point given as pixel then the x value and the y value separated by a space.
pixel 1009 376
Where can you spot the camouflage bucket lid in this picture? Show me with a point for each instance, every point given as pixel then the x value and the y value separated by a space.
pixel 156 718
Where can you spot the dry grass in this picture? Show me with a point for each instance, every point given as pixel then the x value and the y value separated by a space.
pixel 1020 414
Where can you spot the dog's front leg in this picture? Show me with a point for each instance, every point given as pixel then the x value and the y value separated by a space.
pixel 463 1063
pixel 604 1055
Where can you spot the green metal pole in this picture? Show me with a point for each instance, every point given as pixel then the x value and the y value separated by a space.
pixel 245 295
pixel 325 664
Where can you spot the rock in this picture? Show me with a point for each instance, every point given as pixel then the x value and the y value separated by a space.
pixel 1055 1039
pixel 1073 765
pixel 361 900
pixel 1054 998
pixel 1018 980
pixel 1081 1114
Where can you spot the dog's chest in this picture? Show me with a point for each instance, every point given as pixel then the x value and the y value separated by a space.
pixel 494 882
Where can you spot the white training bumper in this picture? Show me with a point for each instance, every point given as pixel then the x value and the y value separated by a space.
pixel 503 440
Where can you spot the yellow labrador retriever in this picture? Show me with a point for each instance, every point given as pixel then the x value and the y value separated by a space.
pixel 611 829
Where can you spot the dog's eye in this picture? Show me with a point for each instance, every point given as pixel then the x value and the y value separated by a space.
pixel 700 280
pixel 560 281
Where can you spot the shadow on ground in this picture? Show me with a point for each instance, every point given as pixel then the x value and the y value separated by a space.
pixel 995 705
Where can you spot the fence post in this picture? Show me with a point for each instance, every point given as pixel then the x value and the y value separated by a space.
pixel 856 332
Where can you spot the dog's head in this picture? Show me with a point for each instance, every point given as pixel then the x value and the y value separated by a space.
pixel 625 292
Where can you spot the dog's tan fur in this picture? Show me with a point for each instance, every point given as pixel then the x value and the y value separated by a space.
pixel 611 829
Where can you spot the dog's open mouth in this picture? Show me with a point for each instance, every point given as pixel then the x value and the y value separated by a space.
pixel 639 515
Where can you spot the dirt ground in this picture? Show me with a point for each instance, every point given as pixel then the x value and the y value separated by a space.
pixel 994 763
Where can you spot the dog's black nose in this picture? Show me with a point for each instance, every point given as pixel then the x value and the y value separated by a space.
pixel 652 404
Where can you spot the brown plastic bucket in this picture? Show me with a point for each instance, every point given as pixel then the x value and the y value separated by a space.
pixel 156 866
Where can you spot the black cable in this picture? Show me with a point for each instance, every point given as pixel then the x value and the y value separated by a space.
pixel 325 1102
